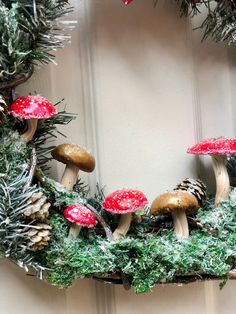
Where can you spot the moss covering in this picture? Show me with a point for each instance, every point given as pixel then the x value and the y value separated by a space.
pixel 150 253
pixel 14 154
pixel 145 259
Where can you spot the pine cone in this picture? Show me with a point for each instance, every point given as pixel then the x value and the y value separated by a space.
pixel 39 235
pixel 195 187
pixel 38 208
pixel 3 109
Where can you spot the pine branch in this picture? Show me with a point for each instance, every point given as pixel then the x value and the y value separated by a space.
pixel 13 229
pixel 220 23
pixel 189 7
pixel 30 30
pixel 47 134
pixel 81 188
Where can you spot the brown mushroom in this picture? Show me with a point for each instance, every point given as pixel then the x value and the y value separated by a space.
pixel 177 203
pixel 76 158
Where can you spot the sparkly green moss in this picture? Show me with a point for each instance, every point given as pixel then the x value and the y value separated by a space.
pixel 150 253
pixel 14 154
pixel 145 260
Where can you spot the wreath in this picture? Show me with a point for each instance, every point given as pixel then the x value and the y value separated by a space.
pixel 59 231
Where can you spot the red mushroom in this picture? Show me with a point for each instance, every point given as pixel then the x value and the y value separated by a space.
pixel 32 108
pixel 125 202
pixel 80 216
pixel 218 148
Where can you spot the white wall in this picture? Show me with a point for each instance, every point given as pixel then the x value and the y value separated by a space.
pixel 25 294
pixel 145 88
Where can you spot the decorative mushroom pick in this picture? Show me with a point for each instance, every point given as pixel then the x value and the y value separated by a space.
pixel 80 216
pixel 177 203
pixel 185 199
pixel 124 202
pixel 218 148
pixel 76 158
pixel 32 108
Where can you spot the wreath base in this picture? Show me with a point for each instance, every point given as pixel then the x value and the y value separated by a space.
pixel 119 278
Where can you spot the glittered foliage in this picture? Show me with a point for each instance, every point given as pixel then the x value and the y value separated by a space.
pixel 150 253
pixel 35 234
pixel 30 31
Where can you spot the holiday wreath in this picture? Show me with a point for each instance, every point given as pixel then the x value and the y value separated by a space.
pixel 60 232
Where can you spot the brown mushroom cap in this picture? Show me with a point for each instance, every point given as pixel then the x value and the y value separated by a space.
pixel 174 201
pixel 75 155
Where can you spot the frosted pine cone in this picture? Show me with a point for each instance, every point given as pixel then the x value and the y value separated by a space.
pixel 38 208
pixel 195 187
pixel 39 236
pixel 3 109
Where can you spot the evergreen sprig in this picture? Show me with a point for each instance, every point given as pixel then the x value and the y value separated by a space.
pixel 220 21
pixel 13 229
pixel 30 31
pixel 189 7
pixel 46 135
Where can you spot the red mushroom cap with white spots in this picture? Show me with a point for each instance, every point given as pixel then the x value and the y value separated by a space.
pixel 214 146
pixel 32 107
pixel 80 215
pixel 125 201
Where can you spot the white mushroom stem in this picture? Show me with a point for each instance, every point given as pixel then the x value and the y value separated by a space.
pixel 70 176
pixel 123 226
pixel 31 129
pixel 74 230
pixel 69 179
pixel 180 224
pixel 222 178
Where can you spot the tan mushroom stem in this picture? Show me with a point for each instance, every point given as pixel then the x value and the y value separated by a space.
pixel 180 224
pixel 31 129
pixel 69 179
pixel 123 226
pixel 70 176
pixel 74 230
pixel 222 178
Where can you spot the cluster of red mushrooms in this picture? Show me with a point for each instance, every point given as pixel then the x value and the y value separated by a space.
pixel 125 201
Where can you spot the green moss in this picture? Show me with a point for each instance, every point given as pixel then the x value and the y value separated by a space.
pixel 14 154
pixel 146 260
pixel 150 253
